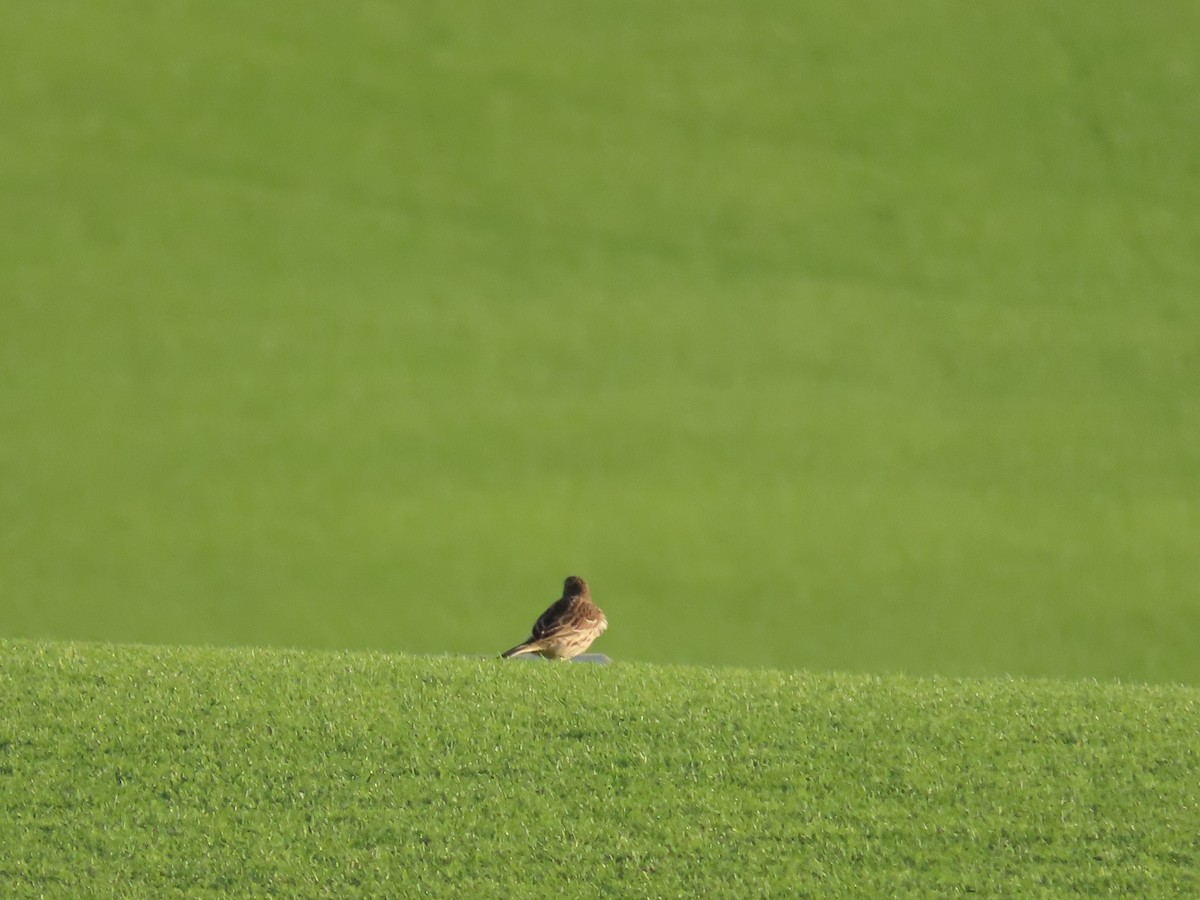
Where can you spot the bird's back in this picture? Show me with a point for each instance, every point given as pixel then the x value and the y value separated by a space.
pixel 560 611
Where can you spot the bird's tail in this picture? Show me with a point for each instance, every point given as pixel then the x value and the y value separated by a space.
pixel 526 647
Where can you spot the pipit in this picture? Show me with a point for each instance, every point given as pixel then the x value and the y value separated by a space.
pixel 568 627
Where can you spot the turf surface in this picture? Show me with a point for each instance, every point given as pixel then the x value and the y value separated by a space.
pixel 141 771
pixel 849 338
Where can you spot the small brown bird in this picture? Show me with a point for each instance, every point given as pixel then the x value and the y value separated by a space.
pixel 568 627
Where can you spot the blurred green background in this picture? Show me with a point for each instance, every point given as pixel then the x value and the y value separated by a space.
pixel 854 337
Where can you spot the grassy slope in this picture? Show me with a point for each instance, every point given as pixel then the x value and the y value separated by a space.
pixel 253 772
pixel 814 336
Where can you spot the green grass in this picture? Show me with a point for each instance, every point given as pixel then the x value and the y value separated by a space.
pixel 144 771
pixel 846 338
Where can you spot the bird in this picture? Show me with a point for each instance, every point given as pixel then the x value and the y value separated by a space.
pixel 567 628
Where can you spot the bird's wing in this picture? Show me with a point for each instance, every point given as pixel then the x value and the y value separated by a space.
pixel 553 618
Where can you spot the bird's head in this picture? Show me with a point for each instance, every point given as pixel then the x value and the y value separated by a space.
pixel 575 586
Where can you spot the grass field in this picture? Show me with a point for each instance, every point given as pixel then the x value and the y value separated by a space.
pixel 858 339
pixel 137 771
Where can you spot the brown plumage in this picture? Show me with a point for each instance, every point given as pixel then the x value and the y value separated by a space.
pixel 568 627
